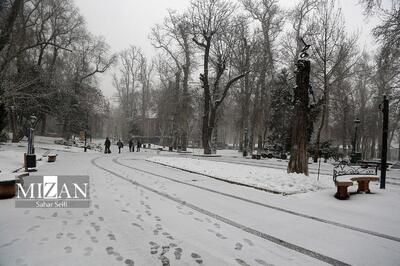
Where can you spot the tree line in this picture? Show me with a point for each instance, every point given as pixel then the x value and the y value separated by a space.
pixel 223 72
pixel 48 64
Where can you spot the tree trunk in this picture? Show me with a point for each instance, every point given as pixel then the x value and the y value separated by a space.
pixel 14 127
pixel 43 124
pixel 398 140
pixel 207 99
pixel 299 155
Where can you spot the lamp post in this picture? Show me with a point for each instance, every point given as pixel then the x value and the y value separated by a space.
pixel 384 107
pixel 355 156
pixel 30 157
pixel 31 147
pixel 356 123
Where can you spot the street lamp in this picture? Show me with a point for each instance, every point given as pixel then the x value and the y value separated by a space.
pixel 356 123
pixel 31 148
pixel 354 155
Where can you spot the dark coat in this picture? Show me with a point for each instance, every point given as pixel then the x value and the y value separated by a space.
pixel 120 144
pixel 107 143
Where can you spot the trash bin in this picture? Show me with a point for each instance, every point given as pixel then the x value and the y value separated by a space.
pixel 30 160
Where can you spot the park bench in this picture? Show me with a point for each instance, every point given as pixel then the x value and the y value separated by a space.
pixel 345 175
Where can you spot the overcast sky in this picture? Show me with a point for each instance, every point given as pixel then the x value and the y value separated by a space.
pixel 125 22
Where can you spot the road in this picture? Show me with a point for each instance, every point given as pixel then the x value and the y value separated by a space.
pixel 146 214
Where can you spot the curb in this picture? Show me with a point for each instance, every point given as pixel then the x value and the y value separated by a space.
pixel 221 179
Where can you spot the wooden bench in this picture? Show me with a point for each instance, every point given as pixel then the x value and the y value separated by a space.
pixel 342 192
pixel 360 175
pixel 51 158
pixel 363 182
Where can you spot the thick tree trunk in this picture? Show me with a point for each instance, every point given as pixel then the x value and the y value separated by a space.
pixel 299 155
pixel 207 100
pixel 185 103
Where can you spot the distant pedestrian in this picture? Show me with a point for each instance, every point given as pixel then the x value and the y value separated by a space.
pixel 139 145
pixel 131 146
pixel 107 145
pixel 120 145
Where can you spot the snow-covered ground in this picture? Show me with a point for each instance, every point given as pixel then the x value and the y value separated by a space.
pixel 144 213
pixel 274 180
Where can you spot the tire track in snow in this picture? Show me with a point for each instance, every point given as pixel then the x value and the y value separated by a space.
pixel 353 228
pixel 254 232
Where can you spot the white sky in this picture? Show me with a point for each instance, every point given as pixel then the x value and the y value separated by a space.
pixel 125 22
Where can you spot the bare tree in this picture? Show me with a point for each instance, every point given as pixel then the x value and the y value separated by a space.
pixel 127 83
pixel 268 15
pixel 173 36
pixel 331 47
pixel 211 27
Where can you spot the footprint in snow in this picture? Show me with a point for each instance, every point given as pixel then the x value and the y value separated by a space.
pixel 33 228
pixel 241 262
pixel 88 251
pixel 154 247
pixel 261 262
pixel 68 249
pixel 129 262
pixel 219 235
pixel 9 243
pixel 197 258
pixel 111 236
pixel 238 246
pixel 110 250
pixel 138 225
pixel 249 242
pixel 178 253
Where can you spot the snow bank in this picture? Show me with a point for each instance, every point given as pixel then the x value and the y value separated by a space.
pixel 10 160
pixel 273 180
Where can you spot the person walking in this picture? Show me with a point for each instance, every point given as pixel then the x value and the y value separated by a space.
pixel 107 145
pixel 131 146
pixel 139 145
pixel 120 145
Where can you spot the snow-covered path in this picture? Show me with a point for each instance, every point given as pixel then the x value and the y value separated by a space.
pixel 147 214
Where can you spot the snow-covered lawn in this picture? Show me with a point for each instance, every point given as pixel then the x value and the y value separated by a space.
pixel 275 180
pixel 10 160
